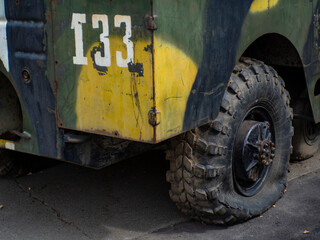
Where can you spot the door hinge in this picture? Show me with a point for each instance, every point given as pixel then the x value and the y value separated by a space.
pixel 154 117
pixel 150 25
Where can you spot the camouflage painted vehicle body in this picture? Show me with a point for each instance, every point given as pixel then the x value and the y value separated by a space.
pixel 89 72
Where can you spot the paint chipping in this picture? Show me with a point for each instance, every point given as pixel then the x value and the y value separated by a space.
pixel 168 98
pixel 136 68
pixel 100 48
pixel 136 104
pixel 214 90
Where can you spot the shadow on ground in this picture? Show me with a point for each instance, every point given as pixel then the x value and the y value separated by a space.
pixel 129 200
pixel 125 200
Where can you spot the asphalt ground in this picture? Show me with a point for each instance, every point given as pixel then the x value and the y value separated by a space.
pixel 130 200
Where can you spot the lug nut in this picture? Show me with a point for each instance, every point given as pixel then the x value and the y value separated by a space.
pixel 265 163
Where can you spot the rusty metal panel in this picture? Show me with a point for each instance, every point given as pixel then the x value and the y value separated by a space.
pixel 103 67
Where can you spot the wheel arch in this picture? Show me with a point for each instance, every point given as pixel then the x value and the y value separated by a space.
pixel 11 111
pixel 279 52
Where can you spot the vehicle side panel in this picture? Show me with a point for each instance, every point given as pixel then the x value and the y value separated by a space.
pixel 27 54
pixel 109 98
pixel 197 45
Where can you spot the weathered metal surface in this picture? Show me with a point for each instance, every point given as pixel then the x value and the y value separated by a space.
pixel 204 50
pixel 24 62
pixel 192 60
pixel 104 67
pixel 142 70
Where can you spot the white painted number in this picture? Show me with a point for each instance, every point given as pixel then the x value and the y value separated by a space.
pixel 106 60
pixel 102 57
pixel 76 24
pixel 118 19
pixel 4 57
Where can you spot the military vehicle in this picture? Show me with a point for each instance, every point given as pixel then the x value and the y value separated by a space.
pixel 220 84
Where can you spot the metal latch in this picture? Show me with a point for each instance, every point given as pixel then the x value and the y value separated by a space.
pixel 149 20
pixel 154 117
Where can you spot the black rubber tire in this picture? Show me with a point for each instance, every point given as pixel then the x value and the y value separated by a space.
pixel 305 144
pixel 201 165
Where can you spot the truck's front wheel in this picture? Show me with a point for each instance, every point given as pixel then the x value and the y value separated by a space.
pixel 235 168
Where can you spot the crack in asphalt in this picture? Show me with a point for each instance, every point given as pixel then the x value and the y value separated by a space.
pixel 56 211
pixel 162 229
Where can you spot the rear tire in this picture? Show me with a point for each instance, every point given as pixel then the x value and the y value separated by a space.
pixel 235 167
pixel 306 139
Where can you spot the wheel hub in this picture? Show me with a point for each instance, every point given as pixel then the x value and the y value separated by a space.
pixel 253 155
pixel 266 152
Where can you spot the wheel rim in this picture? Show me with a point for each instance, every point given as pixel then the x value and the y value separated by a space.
pixel 311 132
pixel 254 152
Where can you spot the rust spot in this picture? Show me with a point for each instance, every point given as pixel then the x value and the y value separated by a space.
pixel 150 25
pixel 55 86
pixel 154 117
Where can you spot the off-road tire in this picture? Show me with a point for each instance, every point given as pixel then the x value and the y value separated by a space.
pixel 306 139
pixel 201 160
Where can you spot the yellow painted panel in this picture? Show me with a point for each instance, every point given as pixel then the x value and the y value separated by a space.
pixel 175 74
pixel 7 144
pixel 116 102
pixel 262 5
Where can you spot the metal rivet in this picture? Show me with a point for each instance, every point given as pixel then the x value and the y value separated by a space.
pixel 26 76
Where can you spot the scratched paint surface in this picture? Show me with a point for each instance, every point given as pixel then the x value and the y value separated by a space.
pixel 116 100
pixel 104 67
pixel 195 48
pixel 96 67
pixel 177 57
